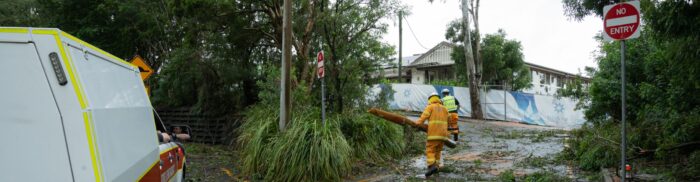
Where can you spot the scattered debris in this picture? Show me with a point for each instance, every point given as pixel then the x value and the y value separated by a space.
pixel 493 150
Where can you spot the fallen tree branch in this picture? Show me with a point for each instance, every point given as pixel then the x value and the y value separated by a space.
pixel 644 152
pixel 616 144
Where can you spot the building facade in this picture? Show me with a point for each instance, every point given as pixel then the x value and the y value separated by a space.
pixel 437 64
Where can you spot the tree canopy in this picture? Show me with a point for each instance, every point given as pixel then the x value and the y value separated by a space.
pixel 502 58
pixel 211 55
pixel 663 79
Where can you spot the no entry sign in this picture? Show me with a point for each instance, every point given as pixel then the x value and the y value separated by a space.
pixel 621 21
pixel 321 71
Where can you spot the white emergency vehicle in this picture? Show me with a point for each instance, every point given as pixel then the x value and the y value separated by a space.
pixel 70 111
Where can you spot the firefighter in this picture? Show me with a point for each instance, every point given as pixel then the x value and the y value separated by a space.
pixel 437 117
pixel 452 105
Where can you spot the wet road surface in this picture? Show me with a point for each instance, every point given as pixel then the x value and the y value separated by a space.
pixel 486 150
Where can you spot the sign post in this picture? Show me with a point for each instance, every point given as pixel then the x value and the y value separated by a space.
pixel 321 73
pixel 621 22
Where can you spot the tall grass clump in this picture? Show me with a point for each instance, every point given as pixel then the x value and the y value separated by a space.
pixel 256 136
pixel 310 152
pixel 306 151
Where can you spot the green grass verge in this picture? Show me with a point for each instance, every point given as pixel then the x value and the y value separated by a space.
pixel 308 151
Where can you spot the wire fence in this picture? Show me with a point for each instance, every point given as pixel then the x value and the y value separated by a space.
pixel 205 128
pixel 503 101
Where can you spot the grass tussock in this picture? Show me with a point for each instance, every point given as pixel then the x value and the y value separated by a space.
pixel 308 151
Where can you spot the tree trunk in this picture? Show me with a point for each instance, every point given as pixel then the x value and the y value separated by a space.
pixel 305 46
pixel 285 100
pixel 474 91
pixel 477 40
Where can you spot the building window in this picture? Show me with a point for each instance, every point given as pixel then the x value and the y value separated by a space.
pixel 554 79
pixel 542 78
pixel 431 76
pixel 560 82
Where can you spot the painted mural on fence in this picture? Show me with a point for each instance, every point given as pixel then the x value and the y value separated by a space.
pixel 526 103
pixel 497 104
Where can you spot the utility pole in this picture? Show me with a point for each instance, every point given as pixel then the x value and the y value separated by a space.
pixel 285 101
pixel 400 44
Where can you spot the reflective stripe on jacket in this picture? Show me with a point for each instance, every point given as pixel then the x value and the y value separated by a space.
pixel 437 117
pixel 450 103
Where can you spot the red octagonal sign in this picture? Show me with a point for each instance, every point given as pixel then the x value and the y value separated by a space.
pixel 621 21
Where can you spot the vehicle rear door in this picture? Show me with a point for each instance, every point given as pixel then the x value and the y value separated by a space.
pixel 32 141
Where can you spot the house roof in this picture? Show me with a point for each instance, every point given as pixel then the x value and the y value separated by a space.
pixel 540 67
pixel 421 61
pixel 551 70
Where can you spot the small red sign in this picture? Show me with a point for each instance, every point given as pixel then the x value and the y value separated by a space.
pixel 622 20
pixel 319 58
pixel 321 73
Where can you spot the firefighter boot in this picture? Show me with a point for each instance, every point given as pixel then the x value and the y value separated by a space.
pixel 431 170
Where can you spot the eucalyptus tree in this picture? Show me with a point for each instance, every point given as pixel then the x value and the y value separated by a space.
pixel 503 59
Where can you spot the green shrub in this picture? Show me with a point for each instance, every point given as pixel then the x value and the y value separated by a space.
pixel 307 151
pixel 663 109
pixel 591 146
pixel 256 136
pixel 596 145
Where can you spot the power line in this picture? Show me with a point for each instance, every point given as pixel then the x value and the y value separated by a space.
pixel 414 35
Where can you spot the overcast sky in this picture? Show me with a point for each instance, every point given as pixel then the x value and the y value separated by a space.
pixel 548 37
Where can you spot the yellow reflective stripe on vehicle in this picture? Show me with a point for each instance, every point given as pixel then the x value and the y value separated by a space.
pixel 437 122
pixel 14 30
pixel 437 138
pixel 77 84
pixel 97 49
pixel 67 63
pixel 87 117
pixel 149 169
pixel 168 150
pixel 96 163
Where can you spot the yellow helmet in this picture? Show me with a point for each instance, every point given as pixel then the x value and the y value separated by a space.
pixel 434 94
pixel 434 97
